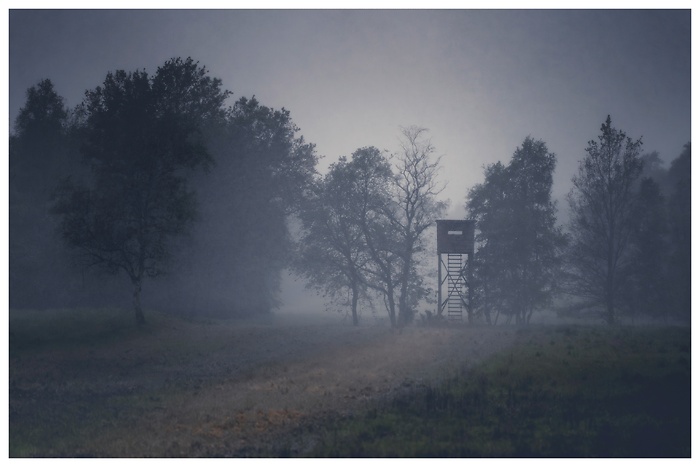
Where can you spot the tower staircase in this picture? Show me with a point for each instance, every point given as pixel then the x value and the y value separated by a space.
pixel 455 287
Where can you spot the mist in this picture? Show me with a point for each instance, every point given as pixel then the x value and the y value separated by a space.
pixel 457 88
pixel 349 233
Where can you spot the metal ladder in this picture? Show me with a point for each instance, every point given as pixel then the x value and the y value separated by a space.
pixel 455 287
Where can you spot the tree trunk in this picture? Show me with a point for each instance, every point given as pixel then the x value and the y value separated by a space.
pixel 610 309
pixel 355 320
pixel 138 312
pixel 486 306
pixel 392 306
pixel 531 310
pixel 609 295
pixel 403 299
pixel 610 278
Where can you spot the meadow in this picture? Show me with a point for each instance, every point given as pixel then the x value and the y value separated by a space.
pixel 88 383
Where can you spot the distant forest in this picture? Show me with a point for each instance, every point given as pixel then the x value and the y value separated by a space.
pixel 156 192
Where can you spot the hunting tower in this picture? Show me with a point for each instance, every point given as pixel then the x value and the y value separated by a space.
pixel 455 243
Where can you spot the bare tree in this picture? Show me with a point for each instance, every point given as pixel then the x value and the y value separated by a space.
pixel 415 209
pixel 395 228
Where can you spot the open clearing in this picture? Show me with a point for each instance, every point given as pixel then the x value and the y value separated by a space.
pixel 272 387
pixel 218 388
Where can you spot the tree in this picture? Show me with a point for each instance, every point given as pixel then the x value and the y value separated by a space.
pixel 42 150
pixel 143 135
pixel 647 291
pixel 485 205
pixel 395 219
pixel 602 204
pixel 366 225
pixel 40 141
pixel 374 176
pixel 234 256
pixel 679 215
pixel 519 243
pixel 415 209
pixel 332 252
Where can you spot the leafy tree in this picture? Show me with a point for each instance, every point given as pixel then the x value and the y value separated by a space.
pixel 653 168
pixel 395 218
pixel 42 150
pixel 143 134
pixel 373 176
pixel 332 251
pixel 39 144
pixel 647 291
pixel 519 243
pixel 602 203
pixel 485 205
pixel 233 260
pixel 679 214
pixel 366 225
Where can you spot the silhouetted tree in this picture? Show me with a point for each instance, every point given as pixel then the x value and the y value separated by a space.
pixel 42 150
pixel 519 244
pixel 40 141
pixel 653 168
pixel 142 136
pixel 366 224
pixel 679 215
pixel 332 253
pixel 647 288
pixel 415 209
pixel 602 204
pixel 395 219
pixel 485 204
pixel 233 261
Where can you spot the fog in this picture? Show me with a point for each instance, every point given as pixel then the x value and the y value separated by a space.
pixel 325 84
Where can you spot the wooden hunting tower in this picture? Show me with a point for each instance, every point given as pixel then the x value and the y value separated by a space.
pixel 455 243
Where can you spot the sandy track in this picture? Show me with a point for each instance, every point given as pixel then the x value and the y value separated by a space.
pixel 238 389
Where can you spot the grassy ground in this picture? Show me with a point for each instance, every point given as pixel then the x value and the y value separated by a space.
pixel 560 392
pixel 90 383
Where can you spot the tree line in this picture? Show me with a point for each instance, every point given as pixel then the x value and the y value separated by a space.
pixel 159 178
pixel 624 252
pixel 155 175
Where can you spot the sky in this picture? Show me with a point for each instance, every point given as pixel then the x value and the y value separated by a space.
pixel 480 81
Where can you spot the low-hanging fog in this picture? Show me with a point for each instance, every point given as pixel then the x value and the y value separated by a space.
pixel 308 88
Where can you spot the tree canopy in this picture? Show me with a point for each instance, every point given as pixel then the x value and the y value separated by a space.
pixel 519 244
pixel 232 263
pixel 333 255
pixel 158 175
pixel 142 134
pixel 365 225
pixel 602 203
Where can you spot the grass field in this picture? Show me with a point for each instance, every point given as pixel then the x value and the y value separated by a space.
pixel 89 383
pixel 559 392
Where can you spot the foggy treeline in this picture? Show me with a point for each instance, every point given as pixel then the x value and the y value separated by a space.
pixel 251 167
pixel 154 190
pixel 624 254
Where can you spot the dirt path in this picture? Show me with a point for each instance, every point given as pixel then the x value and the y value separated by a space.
pixel 231 389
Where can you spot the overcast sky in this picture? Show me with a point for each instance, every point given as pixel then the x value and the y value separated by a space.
pixel 480 80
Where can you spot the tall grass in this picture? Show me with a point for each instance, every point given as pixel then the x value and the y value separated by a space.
pixel 561 392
